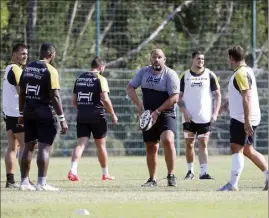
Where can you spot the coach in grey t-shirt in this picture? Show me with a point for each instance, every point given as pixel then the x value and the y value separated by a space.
pixel 160 90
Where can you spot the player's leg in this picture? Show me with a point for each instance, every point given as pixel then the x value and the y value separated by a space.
pixel 76 155
pixel 168 129
pixel 237 141
pixel 20 138
pixel 83 135
pixel 30 136
pixel 10 159
pixel 47 130
pixel 15 139
pixel 99 131
pixel 189 135
pixel 151 138
pixel 258 159
pixel 203 134
pixel 26 159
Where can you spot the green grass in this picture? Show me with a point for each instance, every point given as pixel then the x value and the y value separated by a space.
pixel 125 197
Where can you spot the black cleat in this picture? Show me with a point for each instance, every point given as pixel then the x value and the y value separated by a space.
pixel 171 180
pixel 206 176
pixel 149 183
pixel 189 175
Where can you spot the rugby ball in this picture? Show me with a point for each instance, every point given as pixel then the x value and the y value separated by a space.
pixel 146 121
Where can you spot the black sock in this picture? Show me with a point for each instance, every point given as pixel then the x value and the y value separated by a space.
pixel 10 178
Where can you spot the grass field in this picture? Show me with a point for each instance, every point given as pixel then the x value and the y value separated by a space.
pixel 124 197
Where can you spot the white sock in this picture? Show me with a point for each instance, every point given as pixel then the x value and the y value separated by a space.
pixel 25 181
pixel 203 169
pixel 190 167
pixel 41 180
pixel 266 174
pixel 105 171
pixel 237 167
pixel 74 168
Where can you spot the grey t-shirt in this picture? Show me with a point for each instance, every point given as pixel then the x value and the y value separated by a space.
pixel 157 88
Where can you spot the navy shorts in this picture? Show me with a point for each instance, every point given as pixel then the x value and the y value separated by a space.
pixel 12 124
pixel 163 123
pixel 98 129
pixel 197 128
pixel 238 135
pixel 42 130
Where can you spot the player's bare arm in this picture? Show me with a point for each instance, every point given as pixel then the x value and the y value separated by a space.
pixel 183 109
pixel 246 96
pixel 74 101
pixel 108 106
pixel 224 107
pixel 57 105
pixel 216 104
pixel 133 96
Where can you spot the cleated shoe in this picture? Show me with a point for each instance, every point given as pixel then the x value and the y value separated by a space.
pixel 107 177
pixel 149 183
pixel 189 175
pixel 28 187
pixel 228 187
pixel 171 180
pixel 12 185
pixel 72 177
pixel 206 176
pixel 45 187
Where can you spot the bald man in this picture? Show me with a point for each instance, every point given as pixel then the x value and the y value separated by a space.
pixel 160 90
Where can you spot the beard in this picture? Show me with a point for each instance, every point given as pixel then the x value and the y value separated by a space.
pixel 156 67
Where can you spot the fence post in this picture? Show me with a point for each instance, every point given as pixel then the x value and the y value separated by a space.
pixel 97 27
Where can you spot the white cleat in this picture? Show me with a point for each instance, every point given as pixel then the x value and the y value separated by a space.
pixel 228 187
pixel 45 187
pixel 27 188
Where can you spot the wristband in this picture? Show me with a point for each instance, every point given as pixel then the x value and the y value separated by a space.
pixel 61 117
pixel 21 114
pixel 158 112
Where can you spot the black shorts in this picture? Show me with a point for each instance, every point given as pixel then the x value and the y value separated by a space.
pixel 12 124
pixel 98 129
pixel 163 123
pixel 197 128
pixel 238 135
pixel 42 130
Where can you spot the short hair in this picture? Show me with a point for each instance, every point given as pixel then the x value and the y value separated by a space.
pixel 97 61
pixel 46 49
pixel 196 52
pixel 237 53
pixel 18 46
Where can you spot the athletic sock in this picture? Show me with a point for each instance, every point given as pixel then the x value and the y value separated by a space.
pixel 74 168
pixel 190 167
pixel 105 171
pixel 41 181
pixel 25 181
pixel 10 178
pixel 203 169
pixel 237 167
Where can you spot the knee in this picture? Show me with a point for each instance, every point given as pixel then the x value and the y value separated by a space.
pixel 235 148
pixel 190 145
pixel 168 141
pixel 152 149
pixel 247 151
